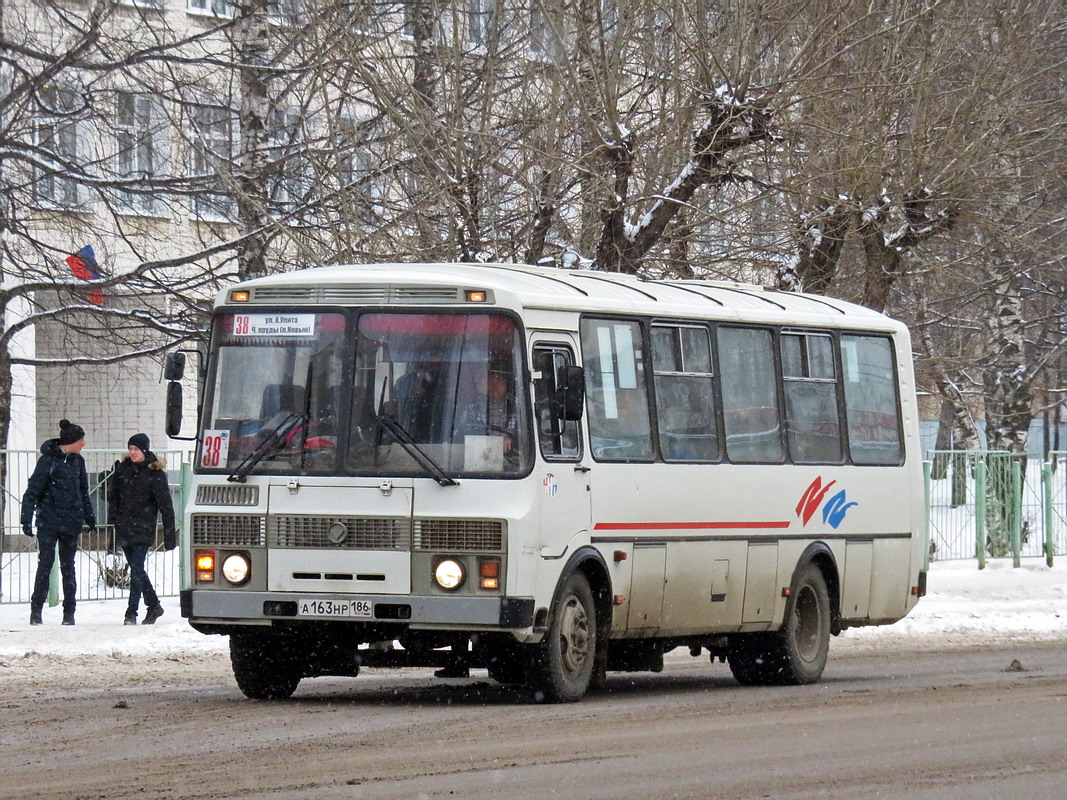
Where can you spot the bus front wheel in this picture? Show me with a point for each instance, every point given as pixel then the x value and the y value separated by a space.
pixel 264 666
pixel 563 662
pixel 796 654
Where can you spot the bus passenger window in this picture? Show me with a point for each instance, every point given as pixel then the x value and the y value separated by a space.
pixel 685 398
pixel 615 390
pixel 813 422
pixel 559 439
pixel 749 395
pixel 871 410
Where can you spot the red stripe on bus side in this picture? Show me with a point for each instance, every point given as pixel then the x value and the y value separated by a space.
pixel 683 526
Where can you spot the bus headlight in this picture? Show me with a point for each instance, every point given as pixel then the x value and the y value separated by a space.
pixel 236 569
pixel 449 574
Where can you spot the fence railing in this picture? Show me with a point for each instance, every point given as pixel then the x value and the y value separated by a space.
pixel 994 504
pixel 982 504
pixel 100 565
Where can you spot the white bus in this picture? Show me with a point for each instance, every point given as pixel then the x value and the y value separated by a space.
pixel 547 474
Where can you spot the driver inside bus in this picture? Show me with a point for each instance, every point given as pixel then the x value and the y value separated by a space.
pixel 494 413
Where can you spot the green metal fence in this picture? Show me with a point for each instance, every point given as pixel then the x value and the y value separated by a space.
pixel 100 566
pixel 994 504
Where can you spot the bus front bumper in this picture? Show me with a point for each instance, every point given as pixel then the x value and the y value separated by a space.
pixel 205 606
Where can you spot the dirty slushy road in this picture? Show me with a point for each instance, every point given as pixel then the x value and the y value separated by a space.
pixel 960 722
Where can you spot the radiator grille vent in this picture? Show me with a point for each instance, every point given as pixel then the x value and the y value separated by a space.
pixel 355 295
pixel 227 495
pixel 356 533
pixel 229 530
pixel 458 535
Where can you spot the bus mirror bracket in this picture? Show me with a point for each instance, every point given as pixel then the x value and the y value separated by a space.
pixel 571 392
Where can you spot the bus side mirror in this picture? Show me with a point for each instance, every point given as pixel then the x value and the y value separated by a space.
pixel 570 391
pixel 174 409
pixel 174 366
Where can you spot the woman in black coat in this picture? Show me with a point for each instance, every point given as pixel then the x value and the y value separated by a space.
pixel 58 494
pixel 138 493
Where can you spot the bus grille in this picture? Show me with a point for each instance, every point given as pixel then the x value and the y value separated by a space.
pixel 459 535
pixel 229 530
pixel 357 533
pixel 355 295
pixel 226 495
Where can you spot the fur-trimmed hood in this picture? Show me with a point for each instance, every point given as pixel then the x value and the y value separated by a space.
pixel 151 459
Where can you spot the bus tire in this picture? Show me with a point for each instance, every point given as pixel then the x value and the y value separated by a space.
pixel 796 654
pixel 562 664
pixel 263 666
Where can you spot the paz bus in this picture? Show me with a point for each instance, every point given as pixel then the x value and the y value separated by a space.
pixel 547 474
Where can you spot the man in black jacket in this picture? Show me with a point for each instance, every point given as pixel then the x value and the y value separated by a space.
pixel 138 493
pixel 58 491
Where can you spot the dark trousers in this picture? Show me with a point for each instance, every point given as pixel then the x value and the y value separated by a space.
pixel 140 584
pixel 68 547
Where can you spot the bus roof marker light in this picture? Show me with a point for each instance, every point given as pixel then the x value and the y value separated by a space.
pixel 477 296
pixel 240 296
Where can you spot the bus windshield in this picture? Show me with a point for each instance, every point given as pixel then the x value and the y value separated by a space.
pixel 452 382
pixel 376 394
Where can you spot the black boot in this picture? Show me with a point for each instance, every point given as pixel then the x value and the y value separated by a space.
pixel 131 618
pixel 35 617
pixel 68 617
pixel 152 614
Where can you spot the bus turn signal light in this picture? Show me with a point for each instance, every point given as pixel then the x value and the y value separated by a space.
pixel 489 573
pixel 205 565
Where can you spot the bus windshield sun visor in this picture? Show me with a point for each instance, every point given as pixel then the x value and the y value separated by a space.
pixel 408 443
pixel 274 434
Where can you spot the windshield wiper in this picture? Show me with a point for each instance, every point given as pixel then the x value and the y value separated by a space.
pixel 411 446
pixel 279 426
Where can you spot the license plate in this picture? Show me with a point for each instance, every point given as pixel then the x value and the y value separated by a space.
pixel 335 608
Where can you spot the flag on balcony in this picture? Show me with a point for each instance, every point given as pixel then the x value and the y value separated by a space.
pixel 83 265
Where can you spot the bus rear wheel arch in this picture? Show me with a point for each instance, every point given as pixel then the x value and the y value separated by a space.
pixel 796 653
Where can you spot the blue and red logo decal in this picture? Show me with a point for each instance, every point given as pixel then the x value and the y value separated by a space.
pixel 834 510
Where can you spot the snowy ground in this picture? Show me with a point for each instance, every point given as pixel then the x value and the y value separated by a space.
pixel 965 606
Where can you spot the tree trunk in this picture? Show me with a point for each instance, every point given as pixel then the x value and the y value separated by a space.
pixel 253 217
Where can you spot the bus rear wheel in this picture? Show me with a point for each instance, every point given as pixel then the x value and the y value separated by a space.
pixel 264 666
pixel 563 662
pixel 796 654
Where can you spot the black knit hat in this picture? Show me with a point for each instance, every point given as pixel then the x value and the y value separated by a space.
pixel 140 441
pixel 69 433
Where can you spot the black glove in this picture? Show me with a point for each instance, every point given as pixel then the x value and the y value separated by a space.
pixel 89 526
pixel 170 539
pixel 28 530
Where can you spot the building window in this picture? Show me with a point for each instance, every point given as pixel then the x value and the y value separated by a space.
pixel 210 151
pixel 59 131
pixel 360 171
pixel 213 8
pixel 546 35
pixel 479 21
pixel 290 179
pixel 138 149
pixel 285 12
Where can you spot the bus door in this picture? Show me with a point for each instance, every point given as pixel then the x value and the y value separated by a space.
pixel 565 503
